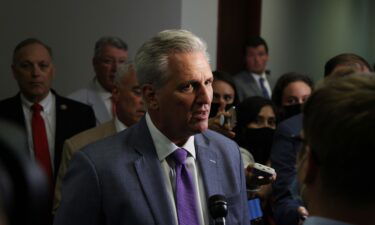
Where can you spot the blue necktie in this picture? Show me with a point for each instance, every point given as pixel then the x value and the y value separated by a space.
pixel 264 89
pixel 185 194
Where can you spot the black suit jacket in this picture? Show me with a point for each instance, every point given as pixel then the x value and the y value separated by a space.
pixel 72 117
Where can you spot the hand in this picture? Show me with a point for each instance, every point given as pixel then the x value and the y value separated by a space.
pixel 302 211
pixel 214 124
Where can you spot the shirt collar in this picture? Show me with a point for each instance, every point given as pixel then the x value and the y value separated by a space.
pixel 104 94
pixel 120 126
pixel 46 103
pixel 258 76
pixel 164 147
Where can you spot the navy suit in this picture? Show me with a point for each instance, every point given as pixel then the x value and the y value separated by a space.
pixel 119 180
pixel 283 159
pixel 71 118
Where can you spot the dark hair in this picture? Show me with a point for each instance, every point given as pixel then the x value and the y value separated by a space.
pixel 339 118
pixel 284 81
pixel 227 78
pixel 30 41
pixel 255 41
pixel 344 59
pixel 248 110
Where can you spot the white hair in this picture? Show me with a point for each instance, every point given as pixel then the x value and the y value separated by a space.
pixel 151 60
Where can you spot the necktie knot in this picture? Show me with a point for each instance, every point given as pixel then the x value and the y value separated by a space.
pixel 179 156
pixel 37 108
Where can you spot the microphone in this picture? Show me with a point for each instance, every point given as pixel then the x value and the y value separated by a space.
pixel 217 205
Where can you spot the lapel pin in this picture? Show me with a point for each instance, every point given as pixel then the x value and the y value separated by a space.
pixel 213 161
pixel 63 107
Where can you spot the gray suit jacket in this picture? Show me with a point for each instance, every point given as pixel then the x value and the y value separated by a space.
pixel 119 180
pixel 90 97
pixel 246 85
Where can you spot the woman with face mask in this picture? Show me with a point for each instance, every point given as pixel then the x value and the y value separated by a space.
pixel 256 123
pixel 290 92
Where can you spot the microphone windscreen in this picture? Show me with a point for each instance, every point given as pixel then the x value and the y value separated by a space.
pixel 217 205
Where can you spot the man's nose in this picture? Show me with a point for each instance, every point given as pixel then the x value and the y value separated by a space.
pixel 205 95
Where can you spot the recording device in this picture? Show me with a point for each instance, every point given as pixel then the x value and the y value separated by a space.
pixel 217 205
pixel 230 120
pixel 262 170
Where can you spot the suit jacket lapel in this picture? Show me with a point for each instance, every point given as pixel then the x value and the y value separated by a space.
pixel 151 176
pixel 208 161
pixel 254 86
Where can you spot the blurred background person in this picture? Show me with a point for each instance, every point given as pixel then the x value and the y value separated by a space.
pixel 129 110
pixel 255 80
pixel 256 124
pixel 288 207
pixel 109 53
pixel 47 118
pixel 224 98
pixel 335 163
pixel 290 92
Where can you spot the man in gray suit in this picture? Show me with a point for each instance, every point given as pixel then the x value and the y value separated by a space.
pixel 131 177
pixel 129 110
pixel 110 52
pixel 255 80
pixel 335 165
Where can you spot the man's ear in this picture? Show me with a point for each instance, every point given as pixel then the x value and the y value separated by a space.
pixel 149 96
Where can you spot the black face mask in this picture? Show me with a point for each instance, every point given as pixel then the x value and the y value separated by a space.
pixel 215 108
pixel 291 110
pixel 259 142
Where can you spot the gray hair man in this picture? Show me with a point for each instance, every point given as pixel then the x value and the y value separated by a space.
pixel 109 53
pixel 132 177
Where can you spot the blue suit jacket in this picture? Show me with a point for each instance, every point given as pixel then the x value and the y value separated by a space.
pixel 119 180
pixel 283 159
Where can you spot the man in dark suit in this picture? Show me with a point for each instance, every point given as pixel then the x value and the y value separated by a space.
pixel 135 177
pixel 255 80
pixel 60 118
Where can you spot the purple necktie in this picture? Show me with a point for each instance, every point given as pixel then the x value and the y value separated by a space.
pixel 185 194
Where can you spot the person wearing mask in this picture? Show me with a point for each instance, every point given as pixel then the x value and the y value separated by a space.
pixel 163 169
pixel 255 80
pixel 290 92
pixel 129 110
pixel 288 207
pixel 109 53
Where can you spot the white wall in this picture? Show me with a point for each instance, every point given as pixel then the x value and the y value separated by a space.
pixel 303 35
pixel 200 17
pixel 72 27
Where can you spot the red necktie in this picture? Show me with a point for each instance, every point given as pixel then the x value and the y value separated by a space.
pixel 40 140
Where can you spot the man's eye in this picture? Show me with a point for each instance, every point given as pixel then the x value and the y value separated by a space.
pixel 187 87
pixel 24 65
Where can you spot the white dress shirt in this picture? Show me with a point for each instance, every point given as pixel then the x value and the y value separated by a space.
pixel 266 84
pixel 164 147
pixel 105 96
pixel 119 125
pixel 49 117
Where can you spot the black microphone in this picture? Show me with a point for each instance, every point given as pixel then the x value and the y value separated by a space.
pixel 217 204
